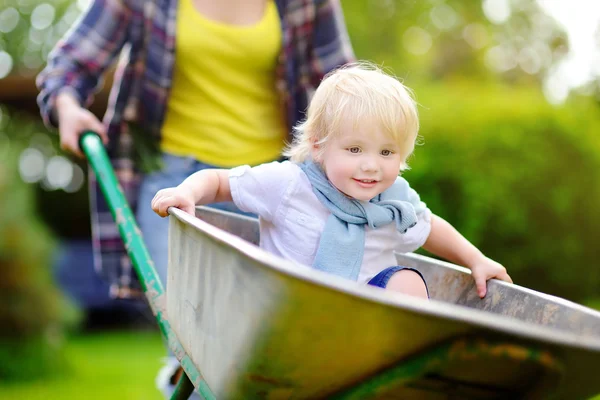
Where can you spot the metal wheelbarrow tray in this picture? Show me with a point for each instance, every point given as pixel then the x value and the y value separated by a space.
pixel 246 324
pixel 258 326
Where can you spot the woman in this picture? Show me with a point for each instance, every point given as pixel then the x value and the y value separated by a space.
pixel 199 84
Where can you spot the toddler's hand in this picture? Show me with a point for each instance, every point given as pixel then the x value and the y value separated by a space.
pixel 177 197
pixel 484 269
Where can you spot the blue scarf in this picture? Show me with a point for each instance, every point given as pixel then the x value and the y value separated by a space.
pixel 342 242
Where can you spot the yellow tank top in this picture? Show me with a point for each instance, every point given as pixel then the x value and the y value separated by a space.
pixel 223 108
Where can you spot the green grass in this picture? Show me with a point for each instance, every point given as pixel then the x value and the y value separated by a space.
pixel 103 365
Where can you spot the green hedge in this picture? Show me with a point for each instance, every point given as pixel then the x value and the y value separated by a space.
pixel 518 177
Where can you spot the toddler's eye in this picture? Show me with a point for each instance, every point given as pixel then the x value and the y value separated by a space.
pixel 354 150
pixel 386 153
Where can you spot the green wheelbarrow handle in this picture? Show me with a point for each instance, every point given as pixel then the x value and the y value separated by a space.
pixel 92 147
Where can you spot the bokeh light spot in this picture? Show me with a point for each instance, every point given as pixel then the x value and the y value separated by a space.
pixel 9 19
pixel 42 16
pixel 476 35
pixel 26 6
pixel 32 165
pixel 59 172
pixel 529 60
pixel 444 17
pixel 77 181
pixel 556 88
pixel 6 64
pixel 497 11
pixel 36 37
pixel 83 4
pixel 500 58
pixel 417 40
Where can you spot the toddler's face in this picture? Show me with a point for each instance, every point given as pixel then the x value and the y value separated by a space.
pixel 361 163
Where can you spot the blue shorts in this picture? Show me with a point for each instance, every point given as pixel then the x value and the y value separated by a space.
pixel 381 279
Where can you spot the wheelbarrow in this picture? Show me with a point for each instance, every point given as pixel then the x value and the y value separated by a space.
pixel 246 324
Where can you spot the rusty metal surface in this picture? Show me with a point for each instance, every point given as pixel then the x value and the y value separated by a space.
pixel 453 284
pixel 471 368
pixel 257 326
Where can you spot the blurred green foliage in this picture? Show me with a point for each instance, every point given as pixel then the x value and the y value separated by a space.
pixel 29 29
pixel 33 312
pixel 435 40
pixel 518 177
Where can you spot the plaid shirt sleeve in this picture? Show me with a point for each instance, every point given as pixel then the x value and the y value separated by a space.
pixel 79 60
pixel 332 44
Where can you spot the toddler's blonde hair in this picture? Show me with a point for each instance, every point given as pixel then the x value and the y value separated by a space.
pixel 364 95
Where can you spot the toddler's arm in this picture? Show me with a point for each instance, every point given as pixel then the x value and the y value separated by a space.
pixel 447 242
pixel 203 187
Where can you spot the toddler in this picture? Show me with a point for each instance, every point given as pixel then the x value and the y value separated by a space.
pixel 339 204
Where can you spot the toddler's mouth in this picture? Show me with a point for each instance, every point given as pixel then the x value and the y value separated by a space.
pixel 366 183
pixel 365 180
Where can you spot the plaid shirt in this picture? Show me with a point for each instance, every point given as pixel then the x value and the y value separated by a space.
pixel 141 33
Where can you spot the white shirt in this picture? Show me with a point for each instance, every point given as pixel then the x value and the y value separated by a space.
pixel 292 218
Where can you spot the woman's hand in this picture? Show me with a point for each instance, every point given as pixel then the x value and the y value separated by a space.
pixel 484 269
pixel 178 197
pixel 73 120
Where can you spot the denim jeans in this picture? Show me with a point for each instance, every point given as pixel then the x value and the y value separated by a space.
pixel 155 231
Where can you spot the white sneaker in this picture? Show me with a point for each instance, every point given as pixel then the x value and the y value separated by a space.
pixel 163 379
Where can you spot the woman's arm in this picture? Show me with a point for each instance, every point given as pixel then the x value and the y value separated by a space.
pixel 77 63
pixel 331 44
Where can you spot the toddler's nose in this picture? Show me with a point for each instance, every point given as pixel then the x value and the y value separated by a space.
pixel 369 165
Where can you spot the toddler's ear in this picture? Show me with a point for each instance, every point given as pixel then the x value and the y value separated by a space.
pixel 315 144
pixel 315 151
